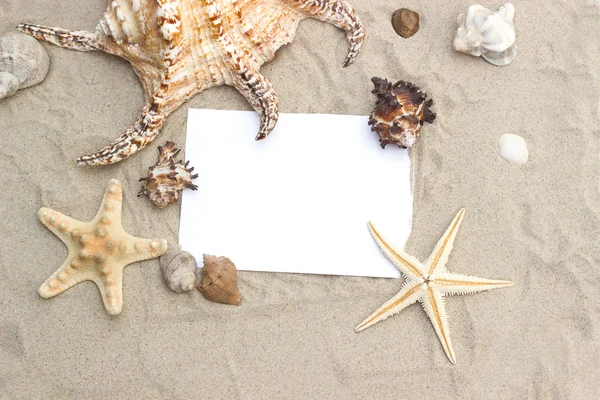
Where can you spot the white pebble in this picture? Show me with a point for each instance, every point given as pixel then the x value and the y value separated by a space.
pixel 513 148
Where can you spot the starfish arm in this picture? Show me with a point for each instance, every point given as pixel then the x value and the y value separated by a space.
pixel 110 285
pixel 405 263
pixel 453 283
pixel 340 14
pixel 261 96
pixel 111 208
pixel 129 248
pixel 74 40
pixel 441 252
pixel 138 136
pixel 64 227
pixel 435 308
pixel 69 274
pixel 409 294
pixel 138 249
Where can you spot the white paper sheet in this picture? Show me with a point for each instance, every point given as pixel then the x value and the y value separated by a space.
pixel 298 201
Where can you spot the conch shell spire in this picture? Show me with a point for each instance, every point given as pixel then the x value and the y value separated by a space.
pixel 179 48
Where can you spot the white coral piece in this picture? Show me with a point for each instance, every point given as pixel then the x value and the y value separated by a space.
pixel 489 34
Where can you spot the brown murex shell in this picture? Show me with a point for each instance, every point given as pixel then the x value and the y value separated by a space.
pixel 219 281
pixel 405 22
pixel 167 177
pixel 400 112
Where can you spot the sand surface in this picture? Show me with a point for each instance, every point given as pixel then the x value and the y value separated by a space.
pixel 537 225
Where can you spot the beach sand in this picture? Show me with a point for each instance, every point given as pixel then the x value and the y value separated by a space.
pixel 536 225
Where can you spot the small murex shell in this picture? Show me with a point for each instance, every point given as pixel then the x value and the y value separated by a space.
pixel 405 22
pixel 218 281
pixel 489 34
pixel 179 269
pixel 23 63
pixel 167 177
pixel 399 113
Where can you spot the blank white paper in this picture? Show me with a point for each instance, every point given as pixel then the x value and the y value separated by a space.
pixel 298 201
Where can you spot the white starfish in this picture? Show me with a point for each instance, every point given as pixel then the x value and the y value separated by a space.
pixel 428 283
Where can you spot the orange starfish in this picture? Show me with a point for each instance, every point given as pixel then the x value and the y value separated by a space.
pixel 99 250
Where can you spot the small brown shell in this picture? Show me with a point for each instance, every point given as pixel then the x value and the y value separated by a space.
pixel 179 269
pixel 405 22
pixel 219 281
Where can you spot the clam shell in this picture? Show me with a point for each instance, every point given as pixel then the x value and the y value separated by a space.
pixel 24 58
pixel 405 22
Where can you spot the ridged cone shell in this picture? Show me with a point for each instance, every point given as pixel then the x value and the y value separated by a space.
pixel 219 281
pixel 405 22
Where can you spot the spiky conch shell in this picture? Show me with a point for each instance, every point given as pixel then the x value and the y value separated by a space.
pixel 167 177
pixel 23 63
pixel 179 48
pixel 218 281
pixel 400 112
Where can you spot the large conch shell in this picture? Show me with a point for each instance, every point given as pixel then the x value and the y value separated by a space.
pixel 179 48
pixel 178 269
pixel 488 34
pixel 218 281
pixel 23 63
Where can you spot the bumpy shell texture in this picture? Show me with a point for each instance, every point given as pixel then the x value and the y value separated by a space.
pixel 399 113
pixel 218 281
pixel 179 269
pixel 405 22
pixel 489 34
pixel 167 177
pixel 23 63
pixel 180 48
